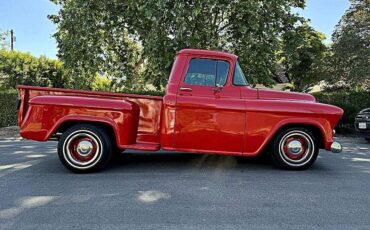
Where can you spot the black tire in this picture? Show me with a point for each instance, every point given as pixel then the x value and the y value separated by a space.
pixel 85 148
pixel 367 139
pixel 287 153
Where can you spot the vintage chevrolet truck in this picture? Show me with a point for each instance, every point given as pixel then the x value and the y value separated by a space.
pixel 208 107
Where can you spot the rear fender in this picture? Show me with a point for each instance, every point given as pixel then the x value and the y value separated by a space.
pixel 47 113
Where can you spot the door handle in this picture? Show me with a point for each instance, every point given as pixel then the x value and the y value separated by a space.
pixel 186 89
pixel 217 89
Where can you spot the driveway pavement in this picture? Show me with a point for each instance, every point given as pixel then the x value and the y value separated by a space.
pixel 183 191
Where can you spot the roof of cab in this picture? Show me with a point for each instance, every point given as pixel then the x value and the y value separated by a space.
pixel 208 53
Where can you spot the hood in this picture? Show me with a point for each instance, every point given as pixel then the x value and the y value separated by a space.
pixel 281 95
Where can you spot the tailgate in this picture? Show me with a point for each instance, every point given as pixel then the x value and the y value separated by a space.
pixel 22 104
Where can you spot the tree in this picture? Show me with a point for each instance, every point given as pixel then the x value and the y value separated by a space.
pixel 92 38
pixel 22 68
pixel 350 61
pixel 302 55
pixel 137 39
pixel 4 43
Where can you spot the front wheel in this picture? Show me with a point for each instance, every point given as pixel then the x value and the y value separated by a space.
pixel 294 148
pixel 85 148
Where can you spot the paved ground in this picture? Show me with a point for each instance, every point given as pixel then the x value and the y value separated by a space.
pixel 183 191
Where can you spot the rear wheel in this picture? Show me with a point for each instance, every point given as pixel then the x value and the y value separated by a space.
pixel 294 148
pixel 85 148
pixel 367 139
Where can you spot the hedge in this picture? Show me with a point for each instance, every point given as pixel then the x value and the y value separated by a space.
pixel 20 68
pixel 145 92
pixel 351 102
pixel 8 108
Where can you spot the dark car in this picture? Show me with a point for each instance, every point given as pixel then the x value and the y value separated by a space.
pixel 362 123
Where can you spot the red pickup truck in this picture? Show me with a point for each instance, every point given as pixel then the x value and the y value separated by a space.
pixel 208 108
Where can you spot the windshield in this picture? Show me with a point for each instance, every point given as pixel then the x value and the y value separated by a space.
pixel 239 78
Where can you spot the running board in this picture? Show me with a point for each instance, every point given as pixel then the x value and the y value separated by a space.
pixel 145 146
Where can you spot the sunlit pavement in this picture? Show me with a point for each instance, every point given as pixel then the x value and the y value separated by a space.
pixel 183 191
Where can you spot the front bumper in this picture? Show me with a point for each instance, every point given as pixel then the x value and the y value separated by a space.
pixel 336 147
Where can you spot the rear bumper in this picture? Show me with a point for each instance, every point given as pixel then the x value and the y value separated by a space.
pixel 362 132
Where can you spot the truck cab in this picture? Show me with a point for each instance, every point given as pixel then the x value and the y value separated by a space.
pixel 205 103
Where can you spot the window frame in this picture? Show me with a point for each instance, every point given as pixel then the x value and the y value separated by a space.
pixel 232 80
pixel 212 59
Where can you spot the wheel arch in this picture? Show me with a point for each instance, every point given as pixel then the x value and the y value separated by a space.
pixel 108 126
pixel 316 130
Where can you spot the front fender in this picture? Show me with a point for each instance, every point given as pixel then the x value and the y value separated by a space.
pixel 262 131
pixel 266 117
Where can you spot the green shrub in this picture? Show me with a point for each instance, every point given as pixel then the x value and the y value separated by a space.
pixel 8 108
pixel 20 68
pixel 351 102
pixel 145 92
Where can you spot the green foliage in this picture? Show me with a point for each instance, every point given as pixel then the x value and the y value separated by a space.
pixel 101 83
pixel 350 61
pixel 92 38
pixel 302 55
pixel 4 40
pixel 145 92
pixel 8 108
pixel 351 102
pixel 134 41
pixel 19 68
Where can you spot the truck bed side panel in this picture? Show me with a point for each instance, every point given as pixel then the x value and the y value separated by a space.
pixel 46 113
pixel 149 106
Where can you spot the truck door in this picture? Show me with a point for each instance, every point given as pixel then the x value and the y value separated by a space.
pixel 210 115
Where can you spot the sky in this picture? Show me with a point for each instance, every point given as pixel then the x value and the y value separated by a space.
pixel 33 31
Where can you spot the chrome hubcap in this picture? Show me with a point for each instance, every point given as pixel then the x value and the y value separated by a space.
pixel 294 147
pixel 84 148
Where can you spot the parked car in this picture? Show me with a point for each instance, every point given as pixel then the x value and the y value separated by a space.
pixel 209 107
pixel 362 123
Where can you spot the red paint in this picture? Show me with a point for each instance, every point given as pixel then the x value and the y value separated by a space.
pixel 79 157
pixel 298 155
pixel 237 120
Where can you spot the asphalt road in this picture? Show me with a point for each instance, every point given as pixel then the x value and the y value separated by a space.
pixel 183 191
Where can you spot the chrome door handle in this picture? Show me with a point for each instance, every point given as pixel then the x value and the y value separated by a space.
pixel 186 89
pixel 217 89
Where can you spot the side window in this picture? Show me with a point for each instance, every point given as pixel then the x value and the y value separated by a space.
pixel 201 72
pixel 206 72
pixel 222 70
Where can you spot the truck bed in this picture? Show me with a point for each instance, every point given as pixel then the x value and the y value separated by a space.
pixel 150 107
